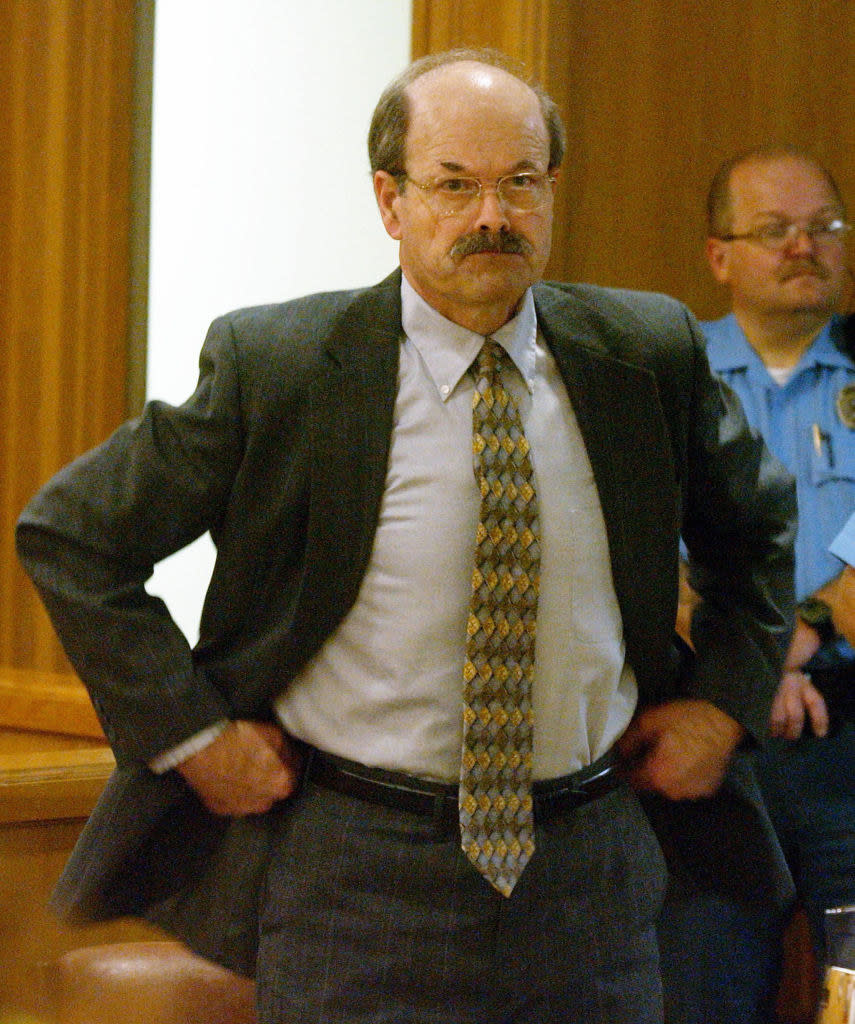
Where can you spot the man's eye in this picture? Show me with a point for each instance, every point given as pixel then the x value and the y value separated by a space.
pixel 824 227
pixel 774 232
pixel 456 186
pixel 521 182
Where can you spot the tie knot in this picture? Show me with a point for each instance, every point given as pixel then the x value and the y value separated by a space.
pixel 489 360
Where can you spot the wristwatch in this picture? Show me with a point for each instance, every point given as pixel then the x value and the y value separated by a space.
pixel 817 614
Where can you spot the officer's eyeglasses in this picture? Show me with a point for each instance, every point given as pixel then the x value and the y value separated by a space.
pixel 781 234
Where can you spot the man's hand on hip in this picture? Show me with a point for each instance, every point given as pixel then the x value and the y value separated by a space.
pixel 798 701
pixel 246 770
pixel 681 749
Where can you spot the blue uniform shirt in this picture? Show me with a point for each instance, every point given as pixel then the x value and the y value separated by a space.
pixel 802 426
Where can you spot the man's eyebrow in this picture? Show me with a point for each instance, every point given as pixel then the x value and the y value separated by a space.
pixel 456 168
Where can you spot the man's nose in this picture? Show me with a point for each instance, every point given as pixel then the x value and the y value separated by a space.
pixel 800 241
pixel 492 214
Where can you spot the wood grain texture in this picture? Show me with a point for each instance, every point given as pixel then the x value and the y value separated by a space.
pixel 51 785
pixel 65 126
pixel 46 702
pixel 654 96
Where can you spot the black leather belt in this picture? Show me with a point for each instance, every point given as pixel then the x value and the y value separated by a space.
pixel 438 801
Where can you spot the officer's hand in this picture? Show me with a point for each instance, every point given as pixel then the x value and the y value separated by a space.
pixel 796 696
pixel 680 749
pixel 244 771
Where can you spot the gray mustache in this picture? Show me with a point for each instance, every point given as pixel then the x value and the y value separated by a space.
pixel 484 241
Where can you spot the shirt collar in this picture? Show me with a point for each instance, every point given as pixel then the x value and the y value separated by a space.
pixel 733 351
pixel 448 350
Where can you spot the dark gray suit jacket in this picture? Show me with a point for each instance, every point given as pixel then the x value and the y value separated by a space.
pixel 281 453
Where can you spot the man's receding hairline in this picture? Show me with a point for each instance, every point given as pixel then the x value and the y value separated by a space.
pixel 436 72
pixel 433 72
pixel 764 160
pixel 390 121
pixel 721 197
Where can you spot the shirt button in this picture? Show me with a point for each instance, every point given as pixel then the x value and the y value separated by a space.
pixel 444 390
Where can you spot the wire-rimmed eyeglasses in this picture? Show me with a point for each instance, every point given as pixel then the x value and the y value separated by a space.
pixel 524 192
pixel 779 234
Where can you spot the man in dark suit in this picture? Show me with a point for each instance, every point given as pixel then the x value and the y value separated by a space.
pixel 301 795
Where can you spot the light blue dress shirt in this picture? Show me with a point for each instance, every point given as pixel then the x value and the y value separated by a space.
pixel 386 687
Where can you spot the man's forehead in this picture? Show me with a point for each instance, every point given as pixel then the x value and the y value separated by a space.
pixel 467 105
pixel 468 81
pixel 758 184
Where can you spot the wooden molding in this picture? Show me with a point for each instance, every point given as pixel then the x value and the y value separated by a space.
pixel 46 702
pixel 42 785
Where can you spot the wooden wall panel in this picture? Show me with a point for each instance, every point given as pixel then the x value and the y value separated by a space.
pixel 654 96
pixel 65 126
pixel 514 28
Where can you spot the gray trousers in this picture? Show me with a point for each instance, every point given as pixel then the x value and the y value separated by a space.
pixel 375 915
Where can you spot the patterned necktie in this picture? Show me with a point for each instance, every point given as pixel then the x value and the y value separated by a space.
pixel 496 820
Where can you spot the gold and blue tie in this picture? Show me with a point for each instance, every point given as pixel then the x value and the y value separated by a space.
pixel 496 818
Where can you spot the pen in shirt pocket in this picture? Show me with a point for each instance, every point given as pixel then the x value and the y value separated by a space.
pixel 820 437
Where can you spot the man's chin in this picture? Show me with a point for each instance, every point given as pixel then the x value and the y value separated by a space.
pixel 816 307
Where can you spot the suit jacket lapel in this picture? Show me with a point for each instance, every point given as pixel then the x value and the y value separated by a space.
pixel 350 424
pixel 622 423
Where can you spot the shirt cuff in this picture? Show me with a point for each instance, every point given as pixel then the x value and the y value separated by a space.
pixel 177 755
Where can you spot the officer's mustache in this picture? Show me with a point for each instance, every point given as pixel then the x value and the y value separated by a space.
pixel 491 241
pixel 805 265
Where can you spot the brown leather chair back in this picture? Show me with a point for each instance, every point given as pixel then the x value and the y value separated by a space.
pixel 146 983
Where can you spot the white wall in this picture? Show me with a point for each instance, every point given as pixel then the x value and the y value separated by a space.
pixel 261 189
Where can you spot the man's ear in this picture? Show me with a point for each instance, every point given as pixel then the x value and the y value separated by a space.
pixel 718 257
pixel 388 196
